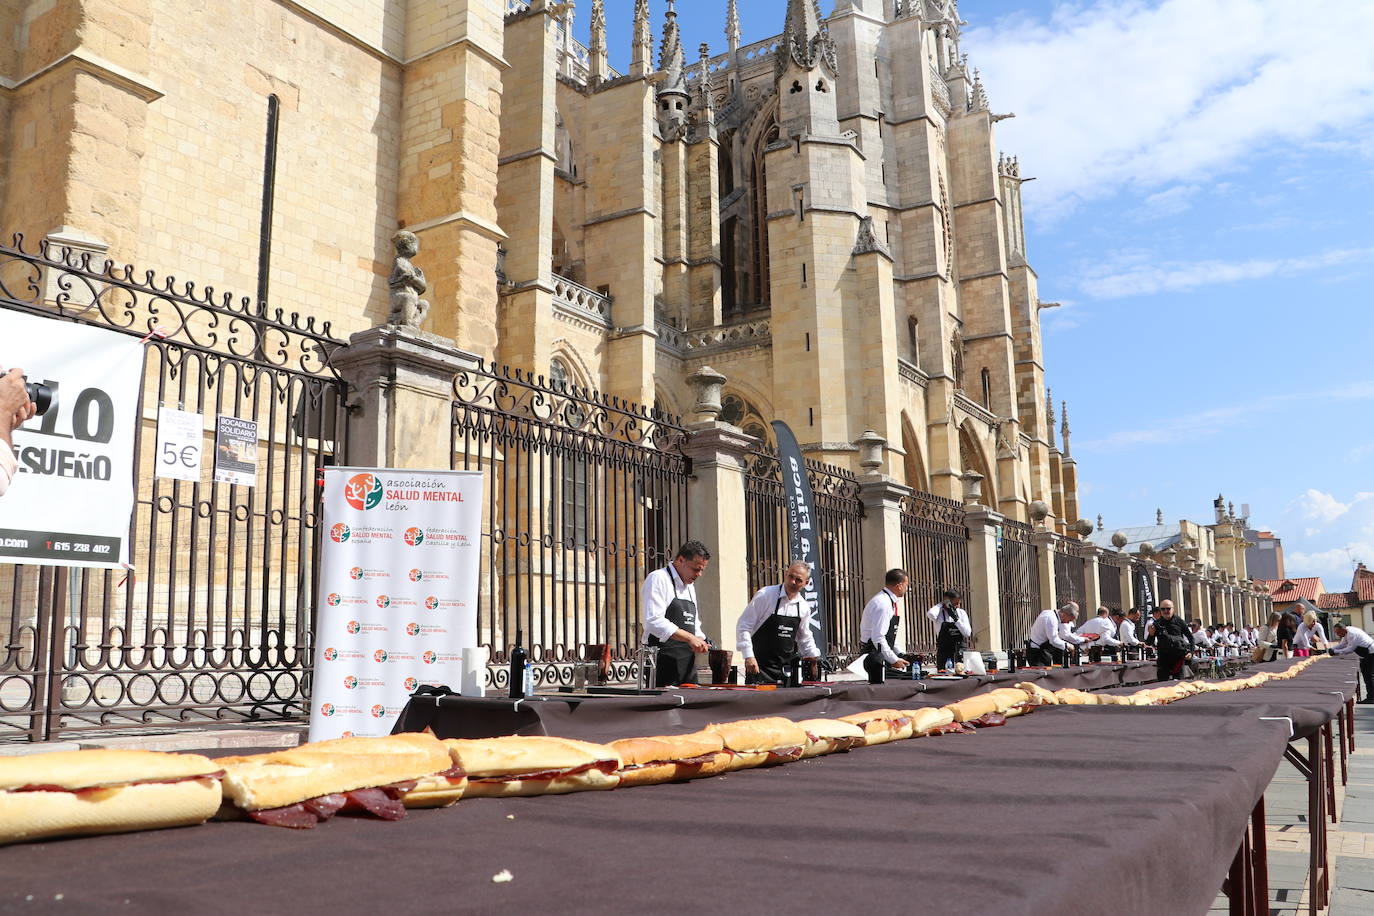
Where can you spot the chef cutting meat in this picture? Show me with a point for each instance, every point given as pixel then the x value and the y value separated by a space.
pixel 775 631
pixel 879 624
pixel 670 615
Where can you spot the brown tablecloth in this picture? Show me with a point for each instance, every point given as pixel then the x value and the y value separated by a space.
pixel 605 718
pixel 1002 821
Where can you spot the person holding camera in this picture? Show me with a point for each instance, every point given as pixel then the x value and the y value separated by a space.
pixel 954 629
pixel 15 408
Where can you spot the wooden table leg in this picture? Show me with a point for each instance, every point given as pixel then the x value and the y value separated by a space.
pixel 1260 856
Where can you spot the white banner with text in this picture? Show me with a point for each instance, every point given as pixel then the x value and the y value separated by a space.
pixel 398 592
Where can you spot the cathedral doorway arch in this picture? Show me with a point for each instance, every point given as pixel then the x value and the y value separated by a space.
pixel 912 462
pixel 972 458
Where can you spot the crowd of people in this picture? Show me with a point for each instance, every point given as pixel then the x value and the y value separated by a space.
pixel 774 632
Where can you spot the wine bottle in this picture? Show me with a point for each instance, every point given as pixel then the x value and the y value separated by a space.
pixel 518 660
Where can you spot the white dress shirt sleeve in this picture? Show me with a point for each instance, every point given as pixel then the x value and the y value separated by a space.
pixel 1200 639
pixel 759 609
pixel 1126 634
pixel 1320 632
pixel 8 467
pixel 1108 638
pixel 1067 635
pixel 806 642
pixel 873 628
pixel 960 619
pixel 658 592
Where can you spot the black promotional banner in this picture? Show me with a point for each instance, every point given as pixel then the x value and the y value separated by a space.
pixel 802 534
pixel 1144 594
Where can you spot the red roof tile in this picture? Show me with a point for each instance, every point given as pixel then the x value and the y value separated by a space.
pixel 1363 583
pixel 1291 589
pixel 1337 601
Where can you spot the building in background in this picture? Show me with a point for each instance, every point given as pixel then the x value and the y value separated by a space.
pixel 1356 606
pixel 1264 556
pixel 1288 593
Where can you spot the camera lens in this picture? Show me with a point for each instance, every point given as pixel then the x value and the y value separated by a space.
pixel 40 394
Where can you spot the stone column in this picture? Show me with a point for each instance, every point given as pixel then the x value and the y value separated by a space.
pixel 1092 580
pixel 882 498
pixel 716 510
pixel 1043 540
pixel 400 380
pixel 984 598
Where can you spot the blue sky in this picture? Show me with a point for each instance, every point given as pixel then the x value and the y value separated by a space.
pixel 1204 210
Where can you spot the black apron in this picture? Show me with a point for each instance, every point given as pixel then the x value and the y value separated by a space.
pixel 775 643
pixel 873 659
pixel 676 660
pixel 1043 655
pixel 949 641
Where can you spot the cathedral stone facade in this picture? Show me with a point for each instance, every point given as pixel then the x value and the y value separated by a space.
pixel 823 216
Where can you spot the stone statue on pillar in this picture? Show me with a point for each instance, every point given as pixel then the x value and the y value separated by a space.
pixel 407 284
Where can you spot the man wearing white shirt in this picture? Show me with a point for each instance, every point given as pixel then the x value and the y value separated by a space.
pixel 1353 639
pixel 1050 635
pixel 671 621
pixel 879 624
pixel 1125 632
pixel 952 628
pixel 774 631
pixel 1102 631
pixel 1200 637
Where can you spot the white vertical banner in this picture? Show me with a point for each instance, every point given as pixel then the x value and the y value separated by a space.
pixel 398 592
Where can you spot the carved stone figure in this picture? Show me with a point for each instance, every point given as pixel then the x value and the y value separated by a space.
pixel 407 283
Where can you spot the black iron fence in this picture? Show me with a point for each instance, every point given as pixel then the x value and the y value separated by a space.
pixel 840 521
pixel 1018 571
pixel 585 494
pixel 214 622
pixel 1109 566
pixel 935 555
pixel 1070 568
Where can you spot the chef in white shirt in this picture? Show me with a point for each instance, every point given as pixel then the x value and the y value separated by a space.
pixel 774 632
pixel 1125 632
pixel 1104 630
pixel 879 625
pixel 1200 637
pixel 1050 635
pixel 952 628
pixel 671 621
pixel 1353 639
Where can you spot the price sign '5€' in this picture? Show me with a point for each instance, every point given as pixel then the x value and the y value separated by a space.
pixel 179 438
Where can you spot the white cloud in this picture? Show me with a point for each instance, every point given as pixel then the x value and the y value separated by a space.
pixel 1115 281
pixel 1172 202
pixel 1326 535
pixel 1216 420
pixel 1132 94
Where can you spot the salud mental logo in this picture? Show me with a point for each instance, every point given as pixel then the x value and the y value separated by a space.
pixel 331 654
pixel 432 603
pixel 383 601
pixel 353 627
pixel 326 709
pixel 333 599
pixel 350 682
pixel 413 629
pixel 415 536
pixel 378 711
pixel 340 533
pixel 429 658
pixel 355 573
pixel 410 684
pixel 379 655
pixel 363 491
pixel 416 575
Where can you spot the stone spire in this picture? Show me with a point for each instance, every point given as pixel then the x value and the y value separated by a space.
pixel 670 58
pixel 704 78
pixel 732 33
pixel 1064 425
pixel 1049 415
pixel 642 50
pixel 597 53
pixel 978 99
pixel 805 38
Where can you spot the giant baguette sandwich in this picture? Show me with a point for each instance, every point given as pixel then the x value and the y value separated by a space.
pixel 881 725
pixel 301 786
pixel 931 720
pixel 828 736
pixel 994 701
pixel 756 742
pixel 670 758
pixel 535 765
pixel 71 793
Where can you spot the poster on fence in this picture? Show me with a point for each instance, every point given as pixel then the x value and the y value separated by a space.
pixel 71 502
pixel 397 603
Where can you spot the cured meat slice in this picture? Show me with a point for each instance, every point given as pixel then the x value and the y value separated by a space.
pixel 326 806
pixel 382 803
pixel 297 817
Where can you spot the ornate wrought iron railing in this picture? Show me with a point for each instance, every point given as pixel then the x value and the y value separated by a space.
pixel 215 620
pixel 1109 566
pixel 1018 572
pixel 1070 568
pixel 935 555
pixel 585 495
pixel 840 521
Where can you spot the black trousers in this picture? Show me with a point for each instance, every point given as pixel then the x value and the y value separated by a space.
pixel 1043 656
pixel 1167 667
pixel 1367 672
pixel 948 649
